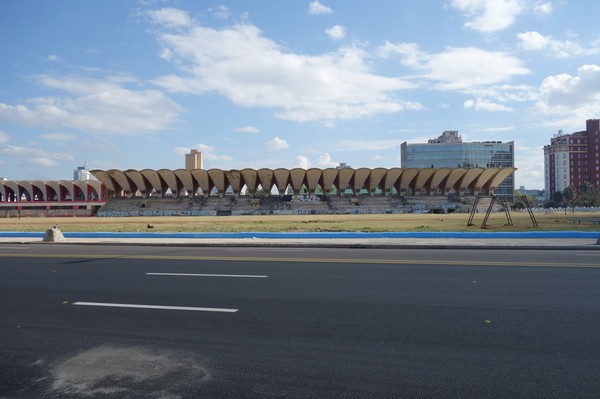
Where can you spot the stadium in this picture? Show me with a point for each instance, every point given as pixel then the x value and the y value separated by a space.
pixel 248 191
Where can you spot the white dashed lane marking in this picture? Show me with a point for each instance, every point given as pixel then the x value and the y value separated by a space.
pixel 206 275
pixel 158 307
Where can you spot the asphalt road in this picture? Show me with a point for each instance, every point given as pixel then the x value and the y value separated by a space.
pixel 149 322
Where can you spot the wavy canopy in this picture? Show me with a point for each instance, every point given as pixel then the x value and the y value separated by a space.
pixel 61 190
pixel 410 181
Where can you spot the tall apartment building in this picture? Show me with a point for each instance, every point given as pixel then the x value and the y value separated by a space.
pixel 193 160
pixel 449 151
pixel 572 159
pixel 81 173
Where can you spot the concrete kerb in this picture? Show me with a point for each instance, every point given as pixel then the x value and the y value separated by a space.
pixel 398 240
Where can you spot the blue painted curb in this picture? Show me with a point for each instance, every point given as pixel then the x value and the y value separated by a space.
pixel 304 235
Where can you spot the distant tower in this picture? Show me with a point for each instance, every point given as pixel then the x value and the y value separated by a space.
pixel 193 160
pixel 81 173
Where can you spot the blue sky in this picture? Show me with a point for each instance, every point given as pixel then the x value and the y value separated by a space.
pixel 134 84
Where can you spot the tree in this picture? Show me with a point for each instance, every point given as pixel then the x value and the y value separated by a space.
pixel 570 196
pixel 589 195
pixel 556 201
pixel 519 202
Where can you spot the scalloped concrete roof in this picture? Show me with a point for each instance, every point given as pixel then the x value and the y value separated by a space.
pixel 181 182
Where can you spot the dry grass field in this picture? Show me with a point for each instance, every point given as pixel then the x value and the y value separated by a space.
pixel 308 223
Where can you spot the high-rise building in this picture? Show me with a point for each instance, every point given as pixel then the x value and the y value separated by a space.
pixel 193 160
pixel 449 151
pixel 572 159
pixel 81 173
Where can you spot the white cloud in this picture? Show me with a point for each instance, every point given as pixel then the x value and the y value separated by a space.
pixel 277 143
pixel 220 12
pixel 489 15
pixel 368 145
pixel 95 106
pixel 58 136
pixel 326 162
pixel 181 150
pixel 247 129
pixel 171 17
pixel 543 8
pixel 532 41
pixel 303 162
pixel 35 156
pixel 4 137
pixel 53 58
pixel 336 32
pixel 410 54
pixel 566 100
pixel 484 105
pixel 497 129
pixel 316 8
pixel 251 70
pixel 506 93
pixel 457 68
pixel 208 152
pixel 462 68
pixel 565 90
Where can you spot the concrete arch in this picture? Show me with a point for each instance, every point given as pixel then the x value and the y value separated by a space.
pixel 25 190
pixel 407 180
pixel 282 179
pixel 12 189
pixel 168 176
pixel 266 179
pixel 250 179
pixel 91 189
pixel 54 191
pixel 158 185
pixel 376 179
pixel 234 179
pixel 122 181
pixel 438 179
pixel 329 178
pixel 361 179
pixel 66 188
pixel 40 189
pixel 423 180
pixel 482 179
pixel 202 181
pixel 345 179
pixel 3 196
pixel 314 178
pixel 454 179
pixel 94 190
pixel 498 178
pixel 392 180
pixel 468 180
pixel 106 180
pixel 80 187
pixel 218 181
pixel 141 183
pixel 297 179
pixel 185 181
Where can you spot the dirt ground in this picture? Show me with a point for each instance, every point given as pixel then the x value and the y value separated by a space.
pixel 279 223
